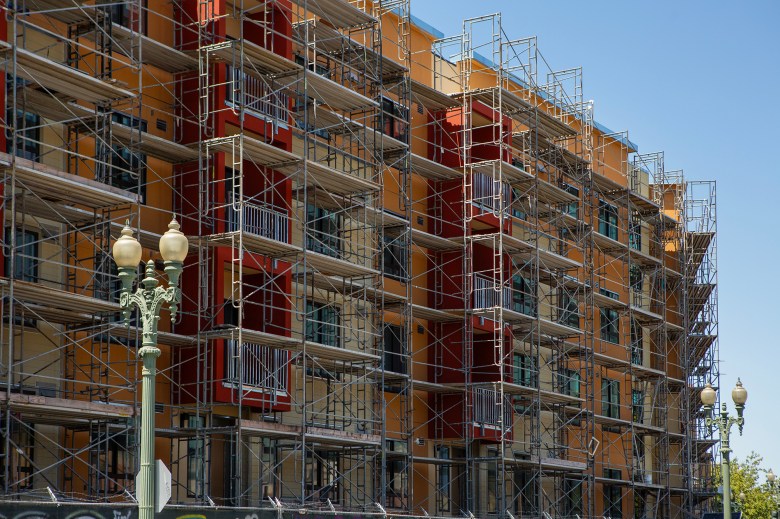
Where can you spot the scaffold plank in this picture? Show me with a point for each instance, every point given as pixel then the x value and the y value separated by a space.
pixel 61 78
pixel 51 184
pixel 339 13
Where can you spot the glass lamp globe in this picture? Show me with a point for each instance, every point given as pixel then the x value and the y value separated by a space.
pixel 127 251
pixel 739 394
pixel 173 244
pixel 708 395
pixel 770 476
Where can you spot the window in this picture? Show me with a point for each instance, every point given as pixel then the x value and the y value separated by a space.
pixel 526 504
pixel 568 310
pixel 610 325
pixel 569 382
pixel 396 478
pixel 517 210
pixel 28 135
pixel 394 348
pixel 324 231
pixel 572 503
pixel 26 259
pixel 571 208
pixel 608 218
pixel 637 342
pixel 525 371
pixel 20 462
pixel 110 461
pixel 635 234
pixel 323 323
pixel 128 169
pixel 195 452
pixel 443 480
pixel 394 119
pixel 637 405
pixel 523 295
pixel 126 15
pixel 613 495
pixel 492 481
pixel 394 257
pixel 610 398
pixel 322 476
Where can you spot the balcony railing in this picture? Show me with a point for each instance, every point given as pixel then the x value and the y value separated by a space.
pixel 261 221
pixel 261 368
pixel 257 96
pixel 487 294
pixel 489 411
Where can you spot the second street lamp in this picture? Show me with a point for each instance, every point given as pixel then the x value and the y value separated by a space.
pixel 771 479
pixel 724 422
pixel 149 299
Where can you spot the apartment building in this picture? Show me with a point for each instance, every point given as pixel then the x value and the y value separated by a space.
pixel 423 279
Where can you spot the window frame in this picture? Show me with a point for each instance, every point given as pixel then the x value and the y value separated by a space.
pixel 319 315
pixel 608 220
pixel 610 398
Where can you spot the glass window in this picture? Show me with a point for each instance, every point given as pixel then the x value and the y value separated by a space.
pixel 637 342
pixel 28 135
pixel 637 405
pixel 608 220
pixel 523 295
pixel 569 382
pixel 26 259
pixel 571 208
pixel 128 169
pixel 613 495
pixel 444 480
pixel 322 476
pixel 324 231
pixel 394 349
pixel 573 497
pixel 635 234
pixel 394 119
pixel 610 325
pixel 525 371
pixel 195 453
pixel 394 257
pixel 323 324
pixel 610 398
pixel 517 208
pixel 568 310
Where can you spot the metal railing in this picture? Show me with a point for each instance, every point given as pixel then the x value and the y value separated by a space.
pixel 261 221
pixel 256 96
pixel 490 411
pixel 487 295
pixel 261 368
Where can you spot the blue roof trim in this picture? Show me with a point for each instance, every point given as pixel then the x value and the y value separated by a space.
pixel 489 63
pixel 425 26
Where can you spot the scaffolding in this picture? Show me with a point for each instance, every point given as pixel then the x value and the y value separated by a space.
pixel 422 279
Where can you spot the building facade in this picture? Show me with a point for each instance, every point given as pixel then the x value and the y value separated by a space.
pixel 423 280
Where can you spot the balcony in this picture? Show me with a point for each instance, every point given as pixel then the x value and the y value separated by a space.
pixel 514 305
pixel 260 221
pixel 490 411
pixel 257 229
pixel 256 368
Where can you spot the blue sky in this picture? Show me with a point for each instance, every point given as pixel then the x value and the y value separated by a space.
pixel 698 80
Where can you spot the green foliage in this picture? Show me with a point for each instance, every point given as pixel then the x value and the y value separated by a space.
pixel 749 478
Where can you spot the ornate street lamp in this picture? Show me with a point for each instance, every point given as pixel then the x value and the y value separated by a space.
pixel 149 299
pixel 771 479
pixel 724 422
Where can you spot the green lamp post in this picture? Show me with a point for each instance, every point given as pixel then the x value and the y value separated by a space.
pixel 149 299
pixel 724 422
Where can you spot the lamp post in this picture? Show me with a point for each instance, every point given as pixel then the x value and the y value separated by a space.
pixel 724 423
pixel 149 299
pixel 771 479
